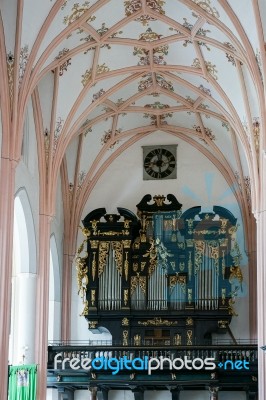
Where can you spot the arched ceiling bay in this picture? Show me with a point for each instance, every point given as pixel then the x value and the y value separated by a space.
pixel 106 72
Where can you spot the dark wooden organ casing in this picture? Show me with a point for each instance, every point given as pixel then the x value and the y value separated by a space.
pixel 161 277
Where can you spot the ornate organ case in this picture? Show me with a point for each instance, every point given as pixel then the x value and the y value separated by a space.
pixel 163 277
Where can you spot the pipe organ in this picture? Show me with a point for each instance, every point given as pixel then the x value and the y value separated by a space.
pixel 162 276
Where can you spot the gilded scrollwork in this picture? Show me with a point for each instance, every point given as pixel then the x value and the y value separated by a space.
pixel 125 338
pixel 177 340
pixel 93 298
pixel 223 324
pixel 85 309
pixel 199 251
pixel 137 340
pixel 152 254
pixel 189 321
pixel 231 309
pixel 142 283
pixel 103 253
pixel 135 266
pixel 86 232
pixel 189 337
pixel 126 265
pixel 94 244
pixel 214 253
pixel 178 279
pixel 236 273
pixel 125 321
pixel 126 243
pixel 142 265
pixel 93 266
pixel 118 253
pixel 82 275
pixel 190 265
pixel 138 280
pixel 157 321
pixel 92 324
pixel 125 297
pixel 94 227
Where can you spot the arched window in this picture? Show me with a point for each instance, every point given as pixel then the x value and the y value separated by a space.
pixel 22 327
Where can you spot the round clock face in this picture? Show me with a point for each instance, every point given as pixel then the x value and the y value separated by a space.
pixel 159 163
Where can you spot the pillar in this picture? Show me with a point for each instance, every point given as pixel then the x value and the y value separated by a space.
pixel 93 393
pixel 7 174
pixel 42 304
pixel 138 394
pixel 102 394
pixel 214 392
pixel 175 394
pixel 261 293
pixel 252 395
pixel 65 394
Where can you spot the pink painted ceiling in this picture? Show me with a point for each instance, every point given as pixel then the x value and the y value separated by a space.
pixel 103 74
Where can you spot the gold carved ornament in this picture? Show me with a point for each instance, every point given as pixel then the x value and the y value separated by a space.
pixel 214 253
pixel 177 340
pixel 135 267
pixel 118 251
pixel 92 324
pixel 189 337
pixel 152 254
pixel 177 279
pixel 231 309
pixel 125 297
pixel 126 265
pixel 93 266
pixel 125 321
pixel 189 321
pixel 137 340
pixel 138 281
pixel 199 251
pixel 157 321
pixel 85 309
pixel 82 275
pixel 125 338
pixel 236 273
pixel 103 253
pixel 93 297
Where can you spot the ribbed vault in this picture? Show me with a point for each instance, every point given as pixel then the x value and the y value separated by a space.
pixel 103 74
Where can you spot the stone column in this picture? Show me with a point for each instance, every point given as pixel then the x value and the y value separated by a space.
pixel 7 174
pixel 66 395
pixel 261 289
pixel 252 395
pixel 93 393
pixel 175 394
pixel 138 394
pixel 42 304
pixel 102 394
pixel 214 392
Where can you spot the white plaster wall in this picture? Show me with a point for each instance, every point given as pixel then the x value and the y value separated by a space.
pixel 52 394
pixel 198 182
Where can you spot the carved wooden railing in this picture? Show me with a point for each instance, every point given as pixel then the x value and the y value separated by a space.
pixel 92 350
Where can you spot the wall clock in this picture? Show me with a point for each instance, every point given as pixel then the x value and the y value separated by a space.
pixel 159 162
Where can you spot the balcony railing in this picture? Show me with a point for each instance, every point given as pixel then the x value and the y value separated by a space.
pixel 220 353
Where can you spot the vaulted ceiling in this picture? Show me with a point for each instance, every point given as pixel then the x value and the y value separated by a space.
pixel 105 73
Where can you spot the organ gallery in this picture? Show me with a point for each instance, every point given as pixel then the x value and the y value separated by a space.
pixel 161 275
